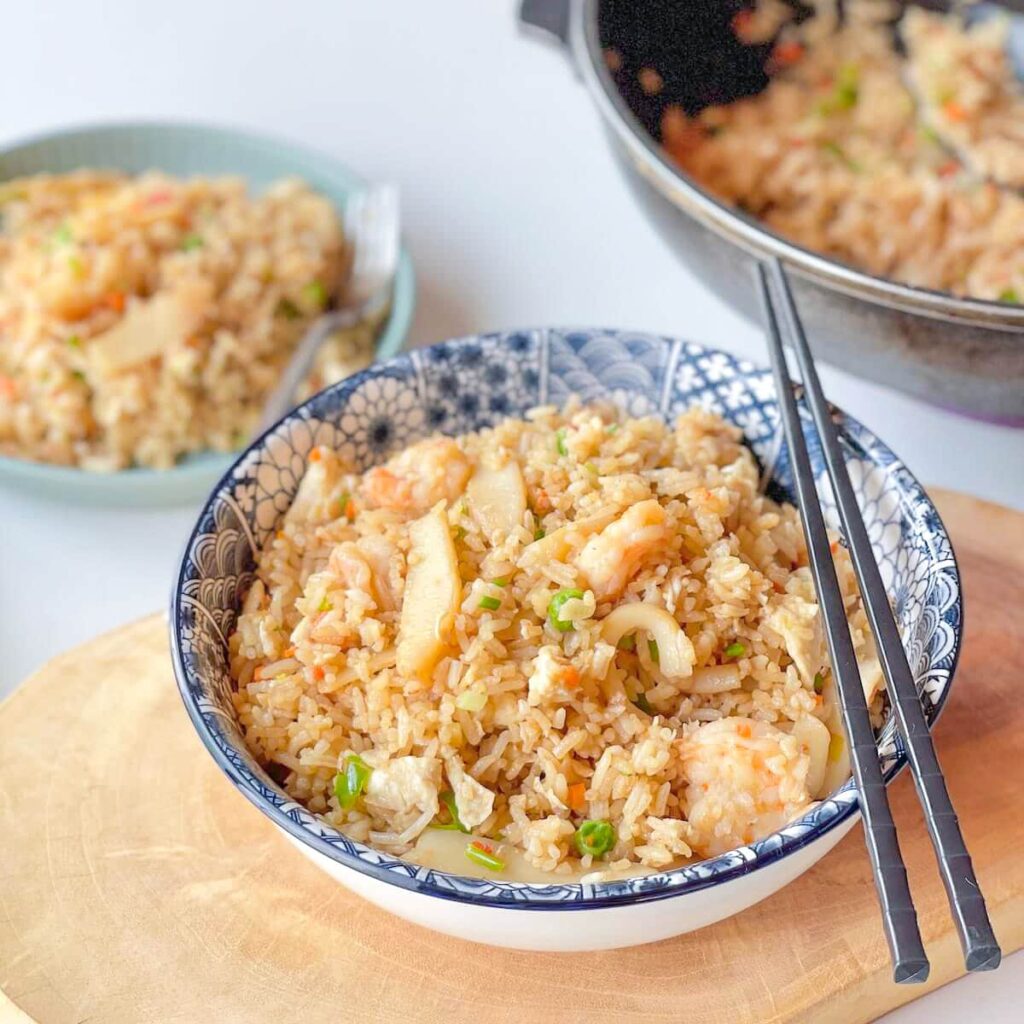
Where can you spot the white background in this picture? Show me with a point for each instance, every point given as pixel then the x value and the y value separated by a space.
pixel 514 214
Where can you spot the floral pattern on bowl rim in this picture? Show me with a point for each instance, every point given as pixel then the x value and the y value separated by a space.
pixel 470 383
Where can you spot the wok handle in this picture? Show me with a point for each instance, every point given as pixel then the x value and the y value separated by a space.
pixel 549 16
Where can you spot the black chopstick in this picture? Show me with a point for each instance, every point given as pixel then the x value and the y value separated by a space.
pixel 899 919
pixel 980 949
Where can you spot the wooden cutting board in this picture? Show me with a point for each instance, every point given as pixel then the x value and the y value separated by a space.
pixel 137 886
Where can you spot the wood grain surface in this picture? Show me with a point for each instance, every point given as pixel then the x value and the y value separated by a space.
pixel 137 886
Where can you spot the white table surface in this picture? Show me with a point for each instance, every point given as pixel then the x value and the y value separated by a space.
pixel 514 213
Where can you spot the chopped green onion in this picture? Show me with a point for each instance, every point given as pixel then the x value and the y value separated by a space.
pixel 627 643
pixel 555 606
pixel 612 428
pixel 76 265
pixel 591 468
pixel 492 604
pixel 819 682
pixel 78 375
pixel 846 92
pixel 929 134
pixel 1009 295
pixel 325 606
pixel 500 581
pixel 560 441
pixel 595 837
pixel 75 341
pixel 343 499
pixel 191 242
pixel 652 650
pixel 63 236
pixel 350 782
pixel 480 854
pixel 641 701
pixel 455 824
pixel 471 700
pixel 288 310
pixel 736 650
pixel 840 154
pixel 315 294
pixel 540 533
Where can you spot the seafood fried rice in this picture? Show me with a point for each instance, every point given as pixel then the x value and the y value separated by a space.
pixel 906 166
pixel 576 643
pixel 143 318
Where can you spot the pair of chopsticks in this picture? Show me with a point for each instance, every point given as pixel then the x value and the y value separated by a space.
pixel 899 918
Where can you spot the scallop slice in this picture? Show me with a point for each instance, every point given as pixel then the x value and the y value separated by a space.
pixel 813 735
pixel 497 498
pixel 432 592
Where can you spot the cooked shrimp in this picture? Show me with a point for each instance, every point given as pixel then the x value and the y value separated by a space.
pixel 612 558
pixel 744 779
pixel 419 477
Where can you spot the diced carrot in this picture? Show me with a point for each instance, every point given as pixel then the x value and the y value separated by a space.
pixel 8 387
pixel 787 53
pixel 743 730
pixel 481 845
pixel 318 671
pixel 280 535
pixel 570 677
pixel 948 169
pixel 158 196
pixel 834 546
pixel 289 652
pixel 350 509
pixel 740 23
pixel 953 111
pixel 114 301
pixel 315 455
pixel 193 342
pixel 578 796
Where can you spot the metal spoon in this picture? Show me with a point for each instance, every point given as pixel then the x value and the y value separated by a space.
pixel 371 222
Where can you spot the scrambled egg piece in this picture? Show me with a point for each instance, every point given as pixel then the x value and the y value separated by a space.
pixel 405 784
pixel 474 802
pixel 551 680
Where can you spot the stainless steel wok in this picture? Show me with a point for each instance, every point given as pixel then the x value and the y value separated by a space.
pixel 963 354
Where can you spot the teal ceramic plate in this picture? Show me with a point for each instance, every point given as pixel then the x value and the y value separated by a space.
pixel 181 150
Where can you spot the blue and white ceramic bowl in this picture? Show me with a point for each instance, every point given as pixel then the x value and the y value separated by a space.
pixel 474 382
pixel 183 150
